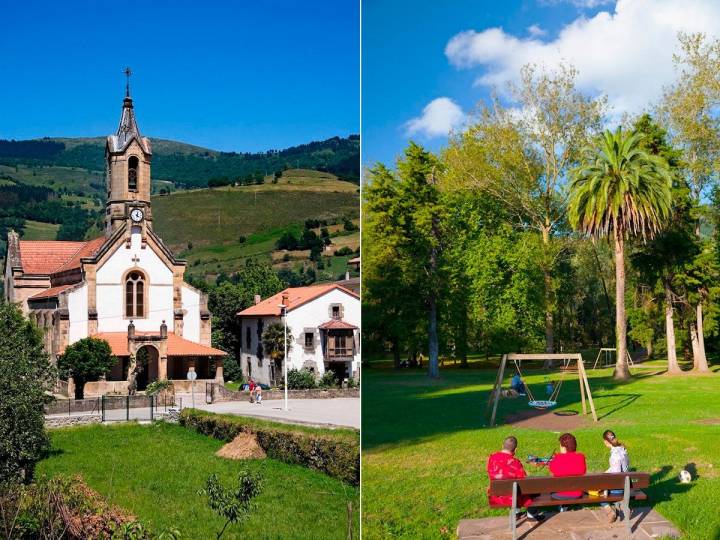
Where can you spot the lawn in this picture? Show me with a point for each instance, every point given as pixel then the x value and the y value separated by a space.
pixel 155 471
pixel 425 445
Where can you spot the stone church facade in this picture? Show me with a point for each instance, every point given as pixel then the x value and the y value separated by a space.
pixel 125 287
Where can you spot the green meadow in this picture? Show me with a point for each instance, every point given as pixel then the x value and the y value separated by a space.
pixel 425 443
pixel 155 471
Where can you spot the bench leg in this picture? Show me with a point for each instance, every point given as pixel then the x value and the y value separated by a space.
pixel 513 511
pixel 626 507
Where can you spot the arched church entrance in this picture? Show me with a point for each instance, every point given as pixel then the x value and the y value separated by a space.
pixel 147 360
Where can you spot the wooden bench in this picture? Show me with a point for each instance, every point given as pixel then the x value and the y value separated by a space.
pixel 540 489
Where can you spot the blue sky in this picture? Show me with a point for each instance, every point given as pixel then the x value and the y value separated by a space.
pixel 244 76
pixel 426 64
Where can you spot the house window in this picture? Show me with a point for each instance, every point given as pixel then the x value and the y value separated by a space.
pixel 335 311
pixel 309 340
pixel 135 295
pixel 133 164
pixel 247 337
pixel 249 367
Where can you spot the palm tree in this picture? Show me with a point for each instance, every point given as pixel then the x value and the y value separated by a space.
pixel 620 190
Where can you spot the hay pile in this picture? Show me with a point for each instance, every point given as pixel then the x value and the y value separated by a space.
pixel 244 446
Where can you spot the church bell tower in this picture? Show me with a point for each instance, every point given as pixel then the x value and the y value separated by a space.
pixel 127 161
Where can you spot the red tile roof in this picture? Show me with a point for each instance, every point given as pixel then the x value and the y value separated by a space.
pixel 52 292
pixel 337 324
pixel 297 296
pixel 49 256
pixel 177 346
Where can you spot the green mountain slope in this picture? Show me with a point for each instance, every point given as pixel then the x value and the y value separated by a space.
pixel 191 166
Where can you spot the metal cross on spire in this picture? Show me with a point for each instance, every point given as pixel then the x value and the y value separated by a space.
pixel 127 72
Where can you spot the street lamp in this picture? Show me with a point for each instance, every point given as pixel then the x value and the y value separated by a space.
pixel 283 312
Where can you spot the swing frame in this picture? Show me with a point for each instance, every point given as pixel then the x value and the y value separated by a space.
pixel 567 359
pixel 607 351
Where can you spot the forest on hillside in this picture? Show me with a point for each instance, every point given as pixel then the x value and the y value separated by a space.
pixel 193 168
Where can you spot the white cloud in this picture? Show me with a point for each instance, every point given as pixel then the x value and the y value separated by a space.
pixel 438 118
pixel 582 4
pixel 625 54
pixel 535 30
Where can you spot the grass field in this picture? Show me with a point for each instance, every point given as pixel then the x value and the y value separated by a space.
pixel 155 471
pixel 210 217
pixel 37 230
pixel 425 445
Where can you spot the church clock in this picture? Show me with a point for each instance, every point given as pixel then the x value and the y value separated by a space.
pixel 136 215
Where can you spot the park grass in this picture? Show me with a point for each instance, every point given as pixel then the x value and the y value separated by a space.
pixel 37 230
pixel 155 471
pixel 425 444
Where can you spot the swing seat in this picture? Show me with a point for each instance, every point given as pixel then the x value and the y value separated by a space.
pixel 542 404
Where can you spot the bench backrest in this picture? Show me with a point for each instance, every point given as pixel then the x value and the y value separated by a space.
pixel 548 484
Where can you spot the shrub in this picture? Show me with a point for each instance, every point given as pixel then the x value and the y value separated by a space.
pixel 345 250
pixel 234 505
pixel 335 455
pixel 328 380
pixel 25 375
pixel 86 360
pixel 64 507
pixel 301 379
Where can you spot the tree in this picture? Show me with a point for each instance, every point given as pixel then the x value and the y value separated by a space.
pixel 234 505
pixel 662 261
pixel 25 376
pixel 86 360
pixel 689 109
pixel 229 297
pixel 521 156
pixel 273 341
pixel 422 236
pixel 620 190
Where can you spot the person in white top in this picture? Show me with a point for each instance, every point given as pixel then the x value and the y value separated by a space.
pixel 619 463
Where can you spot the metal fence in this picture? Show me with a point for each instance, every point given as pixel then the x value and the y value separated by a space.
pixel 116 408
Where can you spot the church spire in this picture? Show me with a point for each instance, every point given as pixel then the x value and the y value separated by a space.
pixel 128 125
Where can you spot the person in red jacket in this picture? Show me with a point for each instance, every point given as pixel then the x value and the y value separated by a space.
pixel 503 465
pixel 569 462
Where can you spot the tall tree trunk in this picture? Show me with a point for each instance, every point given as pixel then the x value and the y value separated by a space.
pixel 673 366
pixel 549 301
pixel 396 352
pixel 461 346
pixel 433 366
pixel 700 362
pixel 649 347
pixel 622 371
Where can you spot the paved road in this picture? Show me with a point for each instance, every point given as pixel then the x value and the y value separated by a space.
pixel 338 412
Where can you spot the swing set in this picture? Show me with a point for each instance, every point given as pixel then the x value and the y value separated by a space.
pixel 607 359
pixel 567 359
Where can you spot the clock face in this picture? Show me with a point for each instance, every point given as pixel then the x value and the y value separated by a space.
pixel 136 215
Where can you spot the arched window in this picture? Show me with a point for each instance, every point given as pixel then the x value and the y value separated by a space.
pixel 135 295
pixel 133 164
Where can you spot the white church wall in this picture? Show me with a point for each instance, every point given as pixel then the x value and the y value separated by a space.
pixel 110 298
pixel 78 309
pixel 191 321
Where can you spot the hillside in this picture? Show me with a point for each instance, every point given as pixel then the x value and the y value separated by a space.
pixel 217 229
pixel 185 165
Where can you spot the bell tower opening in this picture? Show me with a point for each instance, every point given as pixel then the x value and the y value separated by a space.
pixel 133 163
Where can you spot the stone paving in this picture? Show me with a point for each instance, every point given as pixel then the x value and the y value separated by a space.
pixel 333 412
pixel 587 524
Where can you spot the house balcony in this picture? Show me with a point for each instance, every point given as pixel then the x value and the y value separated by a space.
pixel 339 354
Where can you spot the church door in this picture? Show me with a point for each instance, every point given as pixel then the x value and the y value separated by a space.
pixel 147 366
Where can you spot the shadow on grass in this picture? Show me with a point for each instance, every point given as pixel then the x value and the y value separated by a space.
pixel 404 406
pixel 664 490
